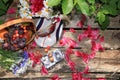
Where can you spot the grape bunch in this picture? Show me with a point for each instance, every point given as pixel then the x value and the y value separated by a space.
pixel 17 37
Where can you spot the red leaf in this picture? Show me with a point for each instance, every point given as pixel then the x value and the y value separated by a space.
pixel 86 70
pixel 71 64
pixel 78 53
pixel 80 24
pixel 92 55
pixel 34 58
pixel 70 43
pixel 82 21
pixel 81 37
pixel 85 57
pixel 62 42
pixel 77 76
pixel 101 47
pixel 72 30
pixel 55 77
pixel 67 57
pixel 11 10
pixel 69 51
pixel 102 39
pixel 44 70
pixel 95 46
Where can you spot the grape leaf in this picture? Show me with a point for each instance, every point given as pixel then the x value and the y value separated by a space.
pixel 91 1
pixel 5 1
pixel 84 7
pixel 118 4
pixel 100 17
pixel 67 6
pixel 52 3
pixel 108 9
pixel 105 24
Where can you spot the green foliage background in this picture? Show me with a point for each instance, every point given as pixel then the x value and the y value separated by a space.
pixel 100 9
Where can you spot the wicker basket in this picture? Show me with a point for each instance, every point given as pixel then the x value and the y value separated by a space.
pixel 20 21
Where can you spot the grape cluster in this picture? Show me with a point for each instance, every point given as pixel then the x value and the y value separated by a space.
pixel 16 37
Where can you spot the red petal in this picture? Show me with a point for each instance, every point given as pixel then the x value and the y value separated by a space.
pixel 86 70
pixel 77 76
pixel 78 53
pixel 44 70
pixel 69 51
pixel 11 10
pixel 92 55
pixel 35 59
pixel 102 39
pixel 85 57
pixel 55 77
pixel 95 46
pixel 80 24
pixel 67 57
pixel 72 30
pixel 71 64
pixel 81 37
pixel 68 42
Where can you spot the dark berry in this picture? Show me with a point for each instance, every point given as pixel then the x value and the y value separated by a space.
pixel 27 27
pixel 21 44
pixel 23 39
pixel 21 31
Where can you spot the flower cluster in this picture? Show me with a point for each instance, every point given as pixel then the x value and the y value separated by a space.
pixel 34 8
pixel 20 66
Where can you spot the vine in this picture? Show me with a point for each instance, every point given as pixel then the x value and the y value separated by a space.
pixel 101 10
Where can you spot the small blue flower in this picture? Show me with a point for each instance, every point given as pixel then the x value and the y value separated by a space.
pixel 25 55
pixel 15 69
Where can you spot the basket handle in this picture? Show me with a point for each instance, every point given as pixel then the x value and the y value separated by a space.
pixel 12 22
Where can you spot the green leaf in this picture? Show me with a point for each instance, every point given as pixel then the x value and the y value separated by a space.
pixel 100 17
pixel 5 1
pixel 105 24
pixel 84 7
pixel 1 22
pixel 52 3
pixel 2 5
pixel 2 12
pixel 118 4
pixel 105 1
pixel 92 9
pixel 67 6
pixel 91 1
pixel 108 9
pixel 75 1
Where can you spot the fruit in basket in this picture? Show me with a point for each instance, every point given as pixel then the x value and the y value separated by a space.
pixel 17 37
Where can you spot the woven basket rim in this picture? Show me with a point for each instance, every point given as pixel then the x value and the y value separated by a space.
pixel 17 21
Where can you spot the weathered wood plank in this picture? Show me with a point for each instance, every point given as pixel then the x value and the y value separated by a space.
pixel 63 76
pixel 114 22
pixel 104 64
pixel 112 39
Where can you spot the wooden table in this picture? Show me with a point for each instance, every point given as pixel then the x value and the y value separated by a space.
pixel 105 64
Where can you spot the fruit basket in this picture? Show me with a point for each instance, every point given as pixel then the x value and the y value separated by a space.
pixel 16 34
